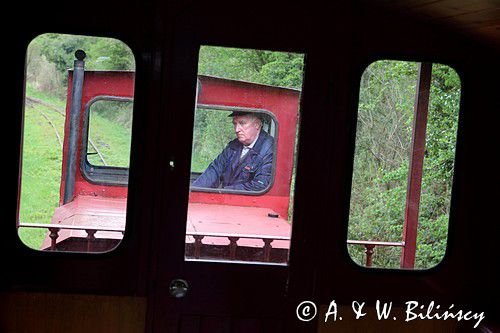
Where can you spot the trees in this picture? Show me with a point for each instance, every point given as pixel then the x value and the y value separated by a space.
pixel 51 55
pixel 274 68
pixel 383 138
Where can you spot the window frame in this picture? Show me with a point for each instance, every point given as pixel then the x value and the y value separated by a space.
pixel 364 65
pixel 95 174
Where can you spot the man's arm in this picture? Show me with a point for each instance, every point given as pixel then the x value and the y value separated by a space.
pixel 210 178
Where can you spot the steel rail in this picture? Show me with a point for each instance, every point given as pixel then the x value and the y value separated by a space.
pixel 50 122
pixel 58 111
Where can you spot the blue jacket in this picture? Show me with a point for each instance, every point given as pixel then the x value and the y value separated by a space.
pixel 253 173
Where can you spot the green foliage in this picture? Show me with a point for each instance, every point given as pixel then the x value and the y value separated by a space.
pixel 381 164
pixel 102 53
pixel 267 67
pixel 438 166
pixel 49 56
pixel 109 54
pixel 213 131
pixel 119 112
pixel 40 72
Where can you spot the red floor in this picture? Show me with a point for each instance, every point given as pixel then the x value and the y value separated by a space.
pixel 98 212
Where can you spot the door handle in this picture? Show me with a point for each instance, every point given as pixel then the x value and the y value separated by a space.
pixel 178 288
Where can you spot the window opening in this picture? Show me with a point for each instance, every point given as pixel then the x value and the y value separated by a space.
pixel 403 164
pixel 59 208
pixel 214 132
pixel 106 139
pixel 243 160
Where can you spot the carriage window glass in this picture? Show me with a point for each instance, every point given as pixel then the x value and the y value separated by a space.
pixel 76 143
pixel 245 134
pixel 403 164
pixel 214 129
pixel 109 132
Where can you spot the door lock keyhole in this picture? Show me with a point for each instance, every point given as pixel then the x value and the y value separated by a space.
pixel 178 288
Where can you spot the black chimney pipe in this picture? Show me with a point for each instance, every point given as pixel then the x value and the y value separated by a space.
pixel 74 125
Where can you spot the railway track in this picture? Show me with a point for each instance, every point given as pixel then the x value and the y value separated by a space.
pixel 35 101
pixel 49 121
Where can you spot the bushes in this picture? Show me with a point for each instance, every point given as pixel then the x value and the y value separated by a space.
pixel 43 74
pixel 381 164
pixel 50 55
pixel 212 132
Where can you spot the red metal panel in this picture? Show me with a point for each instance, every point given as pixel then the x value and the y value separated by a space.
pixel 277 203
pixel 416 166
pixel 96 83
pixel 284 104
pixel 237 220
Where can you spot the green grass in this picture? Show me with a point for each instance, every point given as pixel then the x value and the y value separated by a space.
pixel 41 171
pixel 112 140
pixel 42 161
pixel 32 92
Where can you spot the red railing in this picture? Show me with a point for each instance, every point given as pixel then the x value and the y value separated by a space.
pixel 54 230
pixel 370 248
pixel 233 243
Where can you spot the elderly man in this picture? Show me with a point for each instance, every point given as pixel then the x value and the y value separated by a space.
pixel 246 162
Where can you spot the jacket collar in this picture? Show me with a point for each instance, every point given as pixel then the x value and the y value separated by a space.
pixel 238 146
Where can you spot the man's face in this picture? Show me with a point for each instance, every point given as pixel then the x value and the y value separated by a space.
pixel 247 128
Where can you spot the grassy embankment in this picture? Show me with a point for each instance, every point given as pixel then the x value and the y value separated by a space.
pixel 42 159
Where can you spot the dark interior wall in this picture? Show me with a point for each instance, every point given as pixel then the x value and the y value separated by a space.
pixel 52 312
